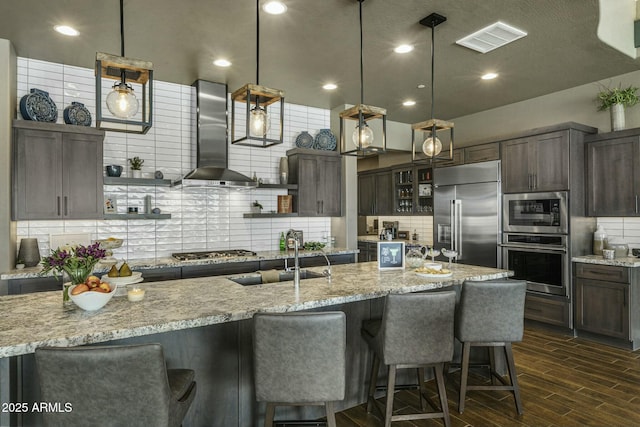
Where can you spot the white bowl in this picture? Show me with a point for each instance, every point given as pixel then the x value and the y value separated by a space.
pixel 92 300
pixel 432 265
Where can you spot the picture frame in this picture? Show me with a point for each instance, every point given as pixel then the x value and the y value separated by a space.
pixel 390 255
pixel 110 205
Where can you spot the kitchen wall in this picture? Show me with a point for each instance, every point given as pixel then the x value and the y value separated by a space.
pixel 201 219
pixel 623 229
pixel 422 225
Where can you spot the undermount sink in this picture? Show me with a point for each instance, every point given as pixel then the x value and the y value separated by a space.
pixel 284 276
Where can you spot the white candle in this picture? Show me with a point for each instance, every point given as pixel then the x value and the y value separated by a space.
pixel 135 293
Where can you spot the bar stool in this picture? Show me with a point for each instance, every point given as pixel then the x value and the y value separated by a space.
pixel 120 385
pixel 416 331
pixel 491 314
pixel 299 360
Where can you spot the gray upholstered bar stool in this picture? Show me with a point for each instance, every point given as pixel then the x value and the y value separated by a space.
pixel 490 314
pixel 299 360
pixel 113 386
pixel 416 331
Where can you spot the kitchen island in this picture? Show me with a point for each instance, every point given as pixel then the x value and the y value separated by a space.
pixel 205 324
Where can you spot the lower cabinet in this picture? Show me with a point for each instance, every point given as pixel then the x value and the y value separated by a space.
pixel 39 284
pixel 368 251
pixel 607 303
pixel 550 310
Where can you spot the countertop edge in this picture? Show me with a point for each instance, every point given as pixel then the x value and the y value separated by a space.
pixel 629 261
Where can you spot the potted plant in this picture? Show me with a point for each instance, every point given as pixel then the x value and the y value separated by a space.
pixel 616 100
pixel 256 207
pixel 136 166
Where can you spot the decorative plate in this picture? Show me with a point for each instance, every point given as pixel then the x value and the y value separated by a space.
pixel 304 140
pixel 325 140
pixel 37 106
pixel 77 114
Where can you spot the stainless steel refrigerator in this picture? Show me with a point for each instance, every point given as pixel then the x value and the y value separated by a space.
pixel 467 212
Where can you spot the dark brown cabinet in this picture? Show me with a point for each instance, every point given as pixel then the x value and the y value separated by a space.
pixel 613 174
pixel 375 193
pixel 606 303
pixel 318 176
pixel 57 171
pixel 368 251
pixel 536 163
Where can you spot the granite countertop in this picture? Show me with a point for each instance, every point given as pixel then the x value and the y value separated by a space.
pixel 36 320
pixel 33 272
pixel 628 261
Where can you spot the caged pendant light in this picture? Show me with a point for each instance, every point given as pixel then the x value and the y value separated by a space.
pixel 257 100
pixel 363 137
pixel 429 147
pixel 125 112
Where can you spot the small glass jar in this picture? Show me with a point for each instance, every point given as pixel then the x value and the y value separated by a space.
pixel 135 293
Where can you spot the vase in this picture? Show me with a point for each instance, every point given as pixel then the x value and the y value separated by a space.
pixel 136 173
pixel 284 170
pixel 617 117
pixel 29 252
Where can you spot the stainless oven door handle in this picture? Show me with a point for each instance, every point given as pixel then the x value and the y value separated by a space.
pixel 535 248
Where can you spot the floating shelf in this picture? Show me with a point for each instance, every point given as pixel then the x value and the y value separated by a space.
pixel 137 216
pixel 116 180
pixel 269 215
pixel 284 186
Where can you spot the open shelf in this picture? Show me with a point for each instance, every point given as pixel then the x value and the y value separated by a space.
pixel 284 186
pixel 137 216
pixel 116 180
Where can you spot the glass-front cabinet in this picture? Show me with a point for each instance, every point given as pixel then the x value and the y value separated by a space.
pixel 413 191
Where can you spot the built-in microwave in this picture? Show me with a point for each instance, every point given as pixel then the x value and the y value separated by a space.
pixel 535 212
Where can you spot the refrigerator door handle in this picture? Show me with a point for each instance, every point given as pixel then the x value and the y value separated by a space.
pixel 458 227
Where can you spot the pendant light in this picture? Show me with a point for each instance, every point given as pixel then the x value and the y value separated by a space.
pixel 430 147
pixel 257 99
pixel 126 115
pixel 362 136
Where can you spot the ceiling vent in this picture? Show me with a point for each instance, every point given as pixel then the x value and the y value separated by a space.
pixel 491 37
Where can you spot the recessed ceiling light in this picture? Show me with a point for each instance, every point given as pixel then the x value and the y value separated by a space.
pixel 274 7
pixel 403 48
pixel 330 86
pixel 66 30
pixel 409 103
pixel 489 76
pixel 222 63
pixel 421 86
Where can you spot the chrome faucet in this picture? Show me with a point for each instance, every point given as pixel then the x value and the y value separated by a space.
pixel 326 273
pixel 296 268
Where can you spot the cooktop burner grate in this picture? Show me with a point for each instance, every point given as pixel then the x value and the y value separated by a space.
pixel 227 253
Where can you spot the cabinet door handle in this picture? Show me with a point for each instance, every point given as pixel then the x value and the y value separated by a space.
pixel 66 209
pixel 529 181
pixel 636 203
pixel 322 205
pixel 58 205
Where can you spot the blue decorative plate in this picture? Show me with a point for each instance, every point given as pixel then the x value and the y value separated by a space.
pixel 38 106
pixel 77 114
pixel 325 140
pixel 304 140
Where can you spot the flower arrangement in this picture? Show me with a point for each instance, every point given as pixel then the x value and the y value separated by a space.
pixel 608 97
pixel 76 261
pixel 257 204
pixel 136 163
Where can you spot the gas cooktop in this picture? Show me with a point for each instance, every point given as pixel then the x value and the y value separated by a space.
pixel 227 253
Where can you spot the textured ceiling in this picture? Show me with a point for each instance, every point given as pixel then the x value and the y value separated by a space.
pixel 318 41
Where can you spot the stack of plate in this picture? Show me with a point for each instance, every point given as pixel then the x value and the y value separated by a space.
pixel 122 282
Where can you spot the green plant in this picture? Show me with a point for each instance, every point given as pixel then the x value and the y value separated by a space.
pixel 257 204
pixel 608 97
pixel 136 163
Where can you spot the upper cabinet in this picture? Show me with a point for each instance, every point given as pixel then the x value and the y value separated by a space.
pixel 539 160
pixel 57 171
pixel 536 163
pixel 613 174
pixel 318 176
pixel 375 193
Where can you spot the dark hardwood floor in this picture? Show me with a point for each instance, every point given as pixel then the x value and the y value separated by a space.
pixel 564 381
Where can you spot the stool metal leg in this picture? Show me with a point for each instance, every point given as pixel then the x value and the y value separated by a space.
pixel 513 376
pixel 391 386
pixel 422 389
pixel 492 364
pixel 373 380
pixel 466 349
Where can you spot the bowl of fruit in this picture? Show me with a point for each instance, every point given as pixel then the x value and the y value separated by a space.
pixel 93 294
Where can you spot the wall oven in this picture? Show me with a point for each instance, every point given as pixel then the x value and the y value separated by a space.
pixel 542 260
pixel 536 212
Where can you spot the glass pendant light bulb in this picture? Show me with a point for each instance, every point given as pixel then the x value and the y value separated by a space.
pixel 259 122
pixel 430 147
pixel 362 136
pixel 121 101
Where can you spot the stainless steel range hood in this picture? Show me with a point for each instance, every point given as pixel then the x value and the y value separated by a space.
pixel 211 142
